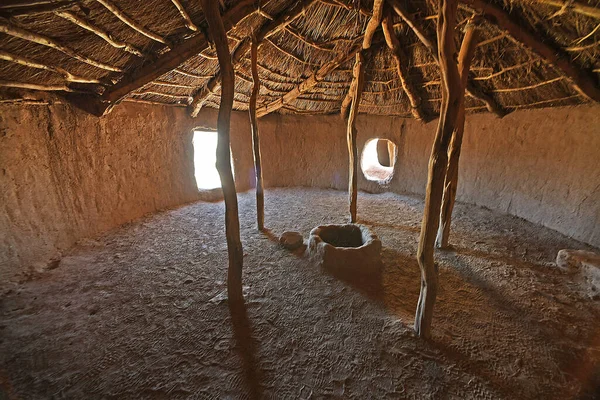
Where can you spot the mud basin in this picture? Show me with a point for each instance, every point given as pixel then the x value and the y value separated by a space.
pixel 351 247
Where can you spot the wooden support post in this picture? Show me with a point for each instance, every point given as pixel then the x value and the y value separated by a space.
pixel 356 88
pixel 260 196
pixel 232 223
pixel 358 73
pixel 473 88
pixel 465 56
pixel 372 26
pixel 394 44
pixel 451 99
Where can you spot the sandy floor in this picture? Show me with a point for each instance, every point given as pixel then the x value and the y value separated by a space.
pixel 141 313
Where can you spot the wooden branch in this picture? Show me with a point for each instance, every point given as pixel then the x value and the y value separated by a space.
pixel 232 225
pixel 172 84
pixel 141 101
pixel 452 96
pixel 266 30
pixel 116 43
pixel 308 41
pixel 260 196
pixel 171 60
pixel 528 87
pixel 310 82
pixel 188 21
pixel 467 50
pixel 579 8
pixel 191 75
pixel 110 6
pixel 35 86
pixel 473 88
pixel 580 80
pixel 15 31
pixel 28 62
pixel 36 8
pixel 373 24
pixel 358 73
pixel 398 54
pixel 350 7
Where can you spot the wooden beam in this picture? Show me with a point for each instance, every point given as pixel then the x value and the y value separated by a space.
pixel 465 56
pixel 398 54
pixel 260 195
pixel 218 33
pixel 473 89
pixel 110 6
pixel 579 8
pixel 372 25
pixel 36 86
pixel 581 80
pixel 188 21
pixel 15 31
pixel 452 96
pixel 270 28
pixel 310 82
pixel 83 23
pixel 28 62
pixel 36 8
pixel 358 73
pixel 174 58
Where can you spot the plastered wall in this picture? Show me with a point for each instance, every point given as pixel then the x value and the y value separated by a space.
pixel 65 175
pixel 542 165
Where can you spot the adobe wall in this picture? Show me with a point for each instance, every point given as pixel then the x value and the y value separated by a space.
pixel 542 165
pixel 65 175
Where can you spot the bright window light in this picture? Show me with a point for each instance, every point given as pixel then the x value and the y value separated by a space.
pixel 205 159
pixel 371 160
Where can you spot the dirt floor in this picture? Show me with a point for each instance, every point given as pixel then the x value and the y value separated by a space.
pixel 141 312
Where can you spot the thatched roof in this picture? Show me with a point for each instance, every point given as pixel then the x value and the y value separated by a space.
pixel 57 45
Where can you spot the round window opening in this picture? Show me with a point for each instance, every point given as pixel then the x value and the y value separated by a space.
pixel 378 159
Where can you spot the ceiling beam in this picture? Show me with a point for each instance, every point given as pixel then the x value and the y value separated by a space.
pixel 473 89
pixel 173 58
pixel 269 28
pixel 580 79
pixel 310 82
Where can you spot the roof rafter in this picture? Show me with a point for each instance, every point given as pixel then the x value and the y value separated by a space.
pixel 310 82
pixel 394 45
pixel 268 29
pixel 581 81
pixel 167 62
pixel 15 31
pixel 110 6
pixel 473 89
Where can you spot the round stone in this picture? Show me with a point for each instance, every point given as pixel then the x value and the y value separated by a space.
pixel 291 240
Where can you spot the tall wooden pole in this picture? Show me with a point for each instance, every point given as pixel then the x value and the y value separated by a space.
pixel 465 56
pixel 232 223
pixel 452 96
pixel 355 92
pixel 353 100
pixel 260 196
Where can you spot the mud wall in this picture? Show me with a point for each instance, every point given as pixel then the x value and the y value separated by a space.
pixel 65 175
pixel 541 165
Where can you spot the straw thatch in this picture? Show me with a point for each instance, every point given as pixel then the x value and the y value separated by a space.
pixel 101 51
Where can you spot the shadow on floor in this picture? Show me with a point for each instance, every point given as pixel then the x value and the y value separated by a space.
pixel 246 347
